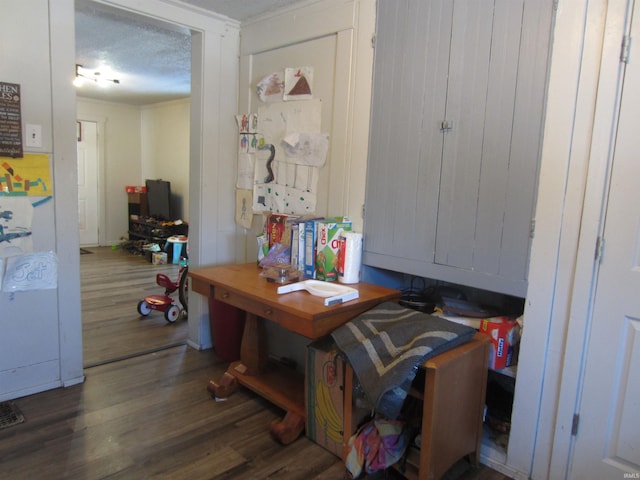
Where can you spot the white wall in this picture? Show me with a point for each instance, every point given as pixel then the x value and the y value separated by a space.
pixel 120 164
pixel 151 141
pixel 41 341
pixel 165 149
pixel 339 33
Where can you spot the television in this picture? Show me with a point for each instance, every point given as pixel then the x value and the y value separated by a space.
pixel 159 199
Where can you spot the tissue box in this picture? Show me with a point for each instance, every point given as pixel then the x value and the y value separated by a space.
pixel 504 333
pixel 159 258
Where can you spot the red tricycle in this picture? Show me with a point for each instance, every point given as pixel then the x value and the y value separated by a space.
pixel 164 303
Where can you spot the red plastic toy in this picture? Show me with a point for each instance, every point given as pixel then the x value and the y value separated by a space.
pixel 165 303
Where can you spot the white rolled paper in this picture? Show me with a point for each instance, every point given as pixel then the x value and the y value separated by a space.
pixel 350 257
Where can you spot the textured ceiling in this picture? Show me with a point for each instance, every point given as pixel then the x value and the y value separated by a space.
pixel 151 60
pixel 240 10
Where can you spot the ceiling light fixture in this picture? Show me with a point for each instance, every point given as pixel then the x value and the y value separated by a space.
pixel 96 76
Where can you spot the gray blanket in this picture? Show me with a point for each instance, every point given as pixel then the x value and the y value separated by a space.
pixel 386 345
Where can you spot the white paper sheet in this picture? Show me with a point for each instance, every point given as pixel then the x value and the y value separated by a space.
pixel 246 166
pixel 296 163
pixel 33 271
pixel 244 213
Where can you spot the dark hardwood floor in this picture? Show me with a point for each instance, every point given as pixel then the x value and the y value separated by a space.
pixel 112 284
pixel 149 415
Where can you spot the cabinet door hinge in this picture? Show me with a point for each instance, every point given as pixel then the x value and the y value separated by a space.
pixel 624 50
pixel 373 41
pixel 574 424
pixel 532 228
pixel 599 253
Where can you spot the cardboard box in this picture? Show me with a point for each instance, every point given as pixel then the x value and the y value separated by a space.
pixel 504 333
pixel 310 233
pixel 327 247
pixel 278 229
pixel 324 397
pixel 159 258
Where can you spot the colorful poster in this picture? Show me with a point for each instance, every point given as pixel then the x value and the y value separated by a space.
pixel 26 176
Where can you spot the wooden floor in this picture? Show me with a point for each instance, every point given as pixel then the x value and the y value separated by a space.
pixel 112 284
pixel 150 416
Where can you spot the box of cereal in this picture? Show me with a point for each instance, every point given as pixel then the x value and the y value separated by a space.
pixel 327 247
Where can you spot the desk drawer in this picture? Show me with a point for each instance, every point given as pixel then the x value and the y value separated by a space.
pixel 246 304
pixel 200 286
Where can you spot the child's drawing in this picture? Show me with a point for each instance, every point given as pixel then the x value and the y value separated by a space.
pixel 16 215
pixel 33 271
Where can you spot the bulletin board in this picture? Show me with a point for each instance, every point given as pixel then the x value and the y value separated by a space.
pixel 288 183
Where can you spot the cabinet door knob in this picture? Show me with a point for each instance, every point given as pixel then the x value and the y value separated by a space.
pixel 446 125
pixel 268 311
pixel 225 295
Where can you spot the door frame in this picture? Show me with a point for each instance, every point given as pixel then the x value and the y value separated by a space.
pixel 577 131
pixel 214 66
pixel 603 37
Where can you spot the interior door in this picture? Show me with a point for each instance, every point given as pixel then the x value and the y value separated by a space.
pixel 88 183
pixel 607 443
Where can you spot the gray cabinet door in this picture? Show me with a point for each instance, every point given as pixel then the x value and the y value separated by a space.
pixel 455 133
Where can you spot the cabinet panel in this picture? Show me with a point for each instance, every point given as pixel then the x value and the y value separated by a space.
pixel 456 204
pixel 405 127
pixel 476 171
pixel 469 66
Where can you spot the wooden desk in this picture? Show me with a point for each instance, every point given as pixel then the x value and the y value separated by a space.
pixel 300 312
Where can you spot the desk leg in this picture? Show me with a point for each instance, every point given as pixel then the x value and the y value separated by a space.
pixel 249 372
pixel 253 350
pixel 253 358
pixel 223 387
pixel 287 429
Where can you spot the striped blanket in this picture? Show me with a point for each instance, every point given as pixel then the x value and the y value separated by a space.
pixel 386 345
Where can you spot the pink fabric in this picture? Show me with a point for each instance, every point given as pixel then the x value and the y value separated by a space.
pixel 376 445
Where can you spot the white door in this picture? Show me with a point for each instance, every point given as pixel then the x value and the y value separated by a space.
pixel 607 443
pixel 88 183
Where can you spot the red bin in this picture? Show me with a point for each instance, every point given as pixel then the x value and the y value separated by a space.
pixel 226 323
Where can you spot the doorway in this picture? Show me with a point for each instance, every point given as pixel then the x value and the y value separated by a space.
pixel 112 280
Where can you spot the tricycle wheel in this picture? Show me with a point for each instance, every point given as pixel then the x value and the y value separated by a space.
pixel 143 308
pixel 172 314
pixel 183 288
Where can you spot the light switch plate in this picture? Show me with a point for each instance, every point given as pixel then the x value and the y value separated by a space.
pixel 33 135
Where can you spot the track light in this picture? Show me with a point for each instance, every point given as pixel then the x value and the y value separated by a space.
pixel 83 74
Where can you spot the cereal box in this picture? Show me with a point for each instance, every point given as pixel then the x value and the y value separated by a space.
pixel 327 247
pixel 278 229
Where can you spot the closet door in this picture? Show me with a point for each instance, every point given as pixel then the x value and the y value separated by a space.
pixel 483 71
pixel 409 95
pixel 455 139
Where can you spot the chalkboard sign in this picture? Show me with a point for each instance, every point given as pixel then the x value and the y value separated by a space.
pixel 10 120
